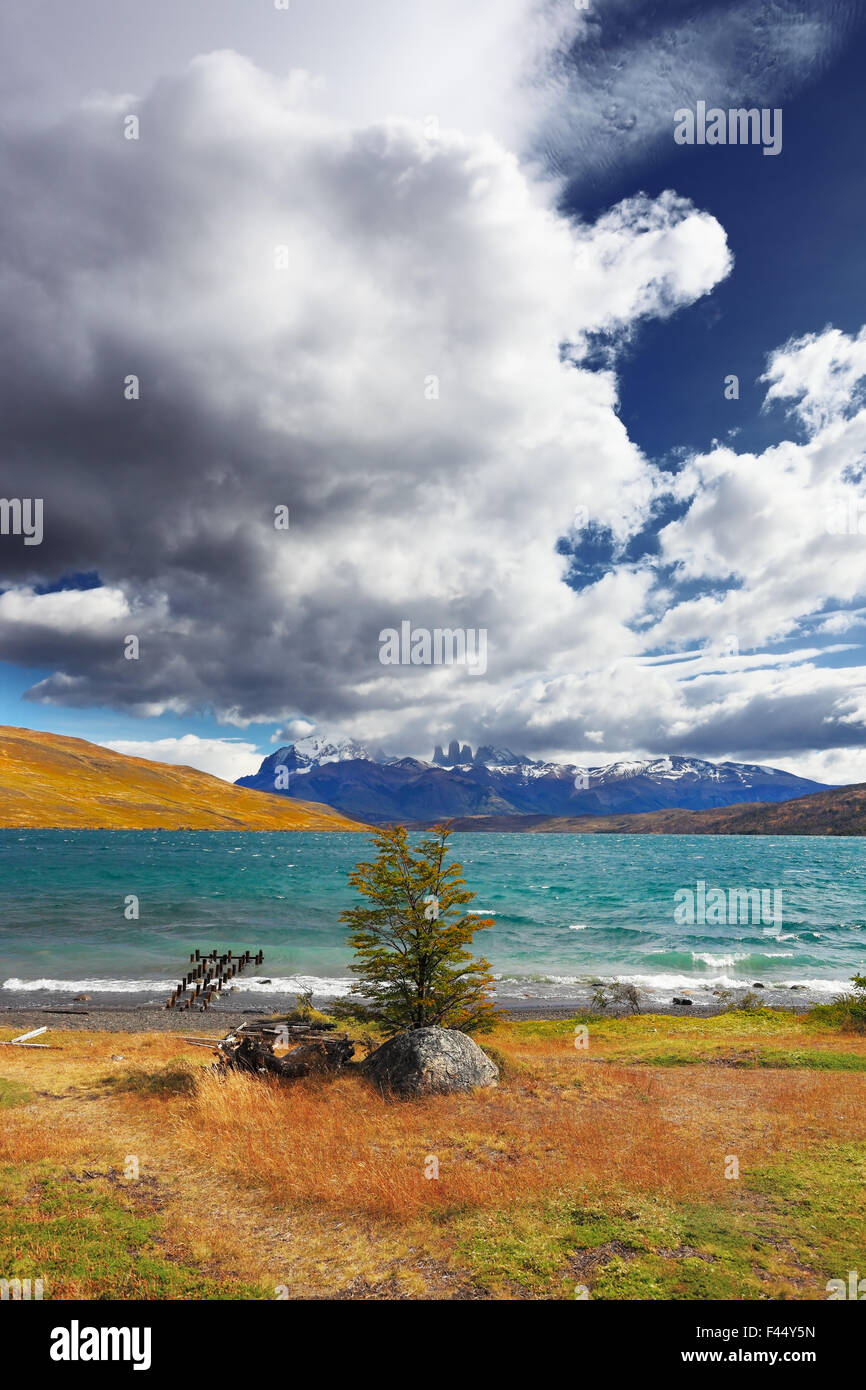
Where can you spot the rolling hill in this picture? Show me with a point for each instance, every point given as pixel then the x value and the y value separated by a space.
pixel 48 781
pixel 838 811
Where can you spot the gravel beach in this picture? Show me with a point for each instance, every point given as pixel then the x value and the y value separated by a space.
pixel 129 1014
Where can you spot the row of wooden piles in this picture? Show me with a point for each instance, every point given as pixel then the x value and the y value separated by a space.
pixel 209 974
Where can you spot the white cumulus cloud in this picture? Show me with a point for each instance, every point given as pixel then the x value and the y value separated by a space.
pixel 225 758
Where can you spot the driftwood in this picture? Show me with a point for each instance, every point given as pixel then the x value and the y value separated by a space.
pixel 312 1048
pixel 23 1039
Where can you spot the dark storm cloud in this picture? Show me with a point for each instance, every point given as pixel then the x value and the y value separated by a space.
pixel 302 387
pixel 406 260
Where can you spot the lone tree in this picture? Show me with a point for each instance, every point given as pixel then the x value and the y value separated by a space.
pixel 410 935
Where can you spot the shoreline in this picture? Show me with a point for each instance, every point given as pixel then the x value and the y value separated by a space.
pixel 134 1015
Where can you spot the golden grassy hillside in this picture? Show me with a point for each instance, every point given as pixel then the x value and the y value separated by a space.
pixel 48 781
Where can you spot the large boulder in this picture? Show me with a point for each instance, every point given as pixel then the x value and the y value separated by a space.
pixel 429 1061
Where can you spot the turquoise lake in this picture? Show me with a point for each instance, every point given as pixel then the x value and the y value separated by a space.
pixel 568 909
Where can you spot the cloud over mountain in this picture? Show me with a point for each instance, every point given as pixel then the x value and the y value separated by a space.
pixel 392 332
pixel 304 386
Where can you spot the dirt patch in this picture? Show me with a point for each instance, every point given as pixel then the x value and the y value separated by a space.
pixel 443 1284
pixel 584 1263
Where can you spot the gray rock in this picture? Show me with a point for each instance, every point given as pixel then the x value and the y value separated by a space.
pixel 682 1002
pixel 428 1061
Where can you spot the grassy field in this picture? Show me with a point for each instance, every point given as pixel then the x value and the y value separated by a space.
pixel 127 1169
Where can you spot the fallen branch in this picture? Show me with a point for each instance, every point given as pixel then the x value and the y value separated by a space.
pixel 252 1047
pixel 22 1039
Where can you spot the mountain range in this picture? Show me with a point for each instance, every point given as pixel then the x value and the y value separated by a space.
pixel 371 786
pixel 47 780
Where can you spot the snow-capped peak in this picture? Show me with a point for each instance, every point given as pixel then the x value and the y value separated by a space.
pixel 499 781
pixel 312 752
pixel 322 750
pixel 670 768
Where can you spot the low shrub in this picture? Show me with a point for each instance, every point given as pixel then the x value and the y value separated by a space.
pixel 848 1012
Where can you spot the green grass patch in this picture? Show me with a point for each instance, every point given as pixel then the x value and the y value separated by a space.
pixel 773 1058
pixel 638 1029
pixel 819 1198
pixel 87 1239
pixel 541 1249
pixel 738 1038
pixel 14 1093
pixel 778 1232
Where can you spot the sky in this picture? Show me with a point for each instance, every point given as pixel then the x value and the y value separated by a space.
pixel 438 284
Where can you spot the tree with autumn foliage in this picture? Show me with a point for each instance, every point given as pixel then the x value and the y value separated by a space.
pixel 410 935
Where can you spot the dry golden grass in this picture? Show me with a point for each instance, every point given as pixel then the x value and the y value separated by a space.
pixel 28 1138
pixel 322 1185
pixel 67 1085
pixel 344 1147
pixel 88 1113
pixel 49 781
pixel 560 1117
